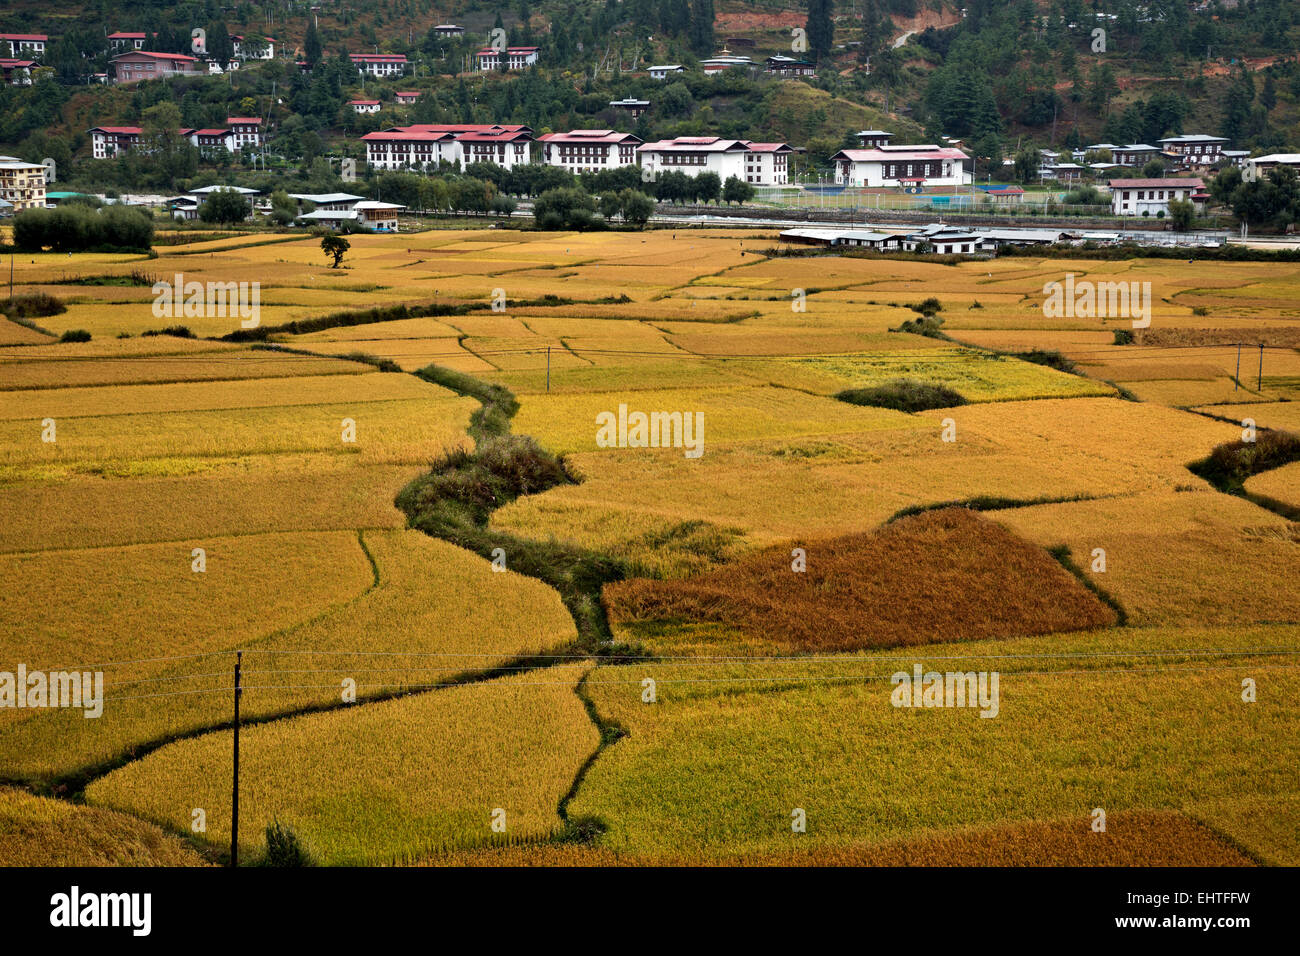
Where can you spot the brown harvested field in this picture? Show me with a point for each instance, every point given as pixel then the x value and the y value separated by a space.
pixel 1132 838
pixel 944 575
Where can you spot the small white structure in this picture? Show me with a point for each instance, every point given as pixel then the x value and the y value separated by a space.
pixel 666 70
pixel 364 106
pixel 252 48
pixel 366 213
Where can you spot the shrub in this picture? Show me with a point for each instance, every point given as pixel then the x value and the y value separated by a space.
pixel 32 305
pixel 927 325
pixel 283 847
pixel 1231 463
pixel 176 331
pixel 928 306
pixel 904 395
pixel 75 335
pixel 1049 357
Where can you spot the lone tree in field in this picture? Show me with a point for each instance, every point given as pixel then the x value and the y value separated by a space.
pixel 335 246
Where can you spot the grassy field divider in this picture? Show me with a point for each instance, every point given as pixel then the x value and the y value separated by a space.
pixel 1231 464
pixel 456 499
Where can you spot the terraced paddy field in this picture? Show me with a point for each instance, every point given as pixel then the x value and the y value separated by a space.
pixel 631 640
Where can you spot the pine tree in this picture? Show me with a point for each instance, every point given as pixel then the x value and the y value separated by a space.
pixel 821 32
pixel 702 41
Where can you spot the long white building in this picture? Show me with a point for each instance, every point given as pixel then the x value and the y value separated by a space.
pixel 424 146
pixel 885 166
pixel 761 164
pixel 588 150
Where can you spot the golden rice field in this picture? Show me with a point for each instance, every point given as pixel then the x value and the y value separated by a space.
pixel 385 782
pixel 471 684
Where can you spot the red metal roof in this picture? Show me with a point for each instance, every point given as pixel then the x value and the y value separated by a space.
pixel 24 36
pixel 588 136
pixel 156 56
pixel 243 120
pixel 1157 183
pixel 905 154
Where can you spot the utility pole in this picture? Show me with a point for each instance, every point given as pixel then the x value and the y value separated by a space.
pixel 1259 385
pixel 1236 381
pixel 548 368
pixel 234 789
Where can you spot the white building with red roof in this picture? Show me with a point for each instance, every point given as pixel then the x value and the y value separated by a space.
pixel 16 72
pixel 380 64
pixel 109 141
pixel 210 140
pixel 364 106
pixel 1151 197
pixel 902 166
pixel 768 164
pixel 122 41
pixel 406 97
pixel 760 164
pixel 24 44
pixel 517 58
pixel 425 145
pixel 245 130
pixel 589 150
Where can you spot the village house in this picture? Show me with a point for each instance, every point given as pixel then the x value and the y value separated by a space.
pixel 768 164
pixel 785 66
pixel 726 60
pixel 634 106
pixel 363 213
pixel 588 150
pixel 1195 149
pixel 666 70
pixel 109 141
pixel 364 106
pixel 1137 154
pixel 1252 169
pixel 121 42
pixel 902 166
pixel 380 64
pixel 449 30
pixel 146 65
pixel 517 58
pixel 1151 197
pixel 873 138
pixel 406 97
pixel 20 45
pixel 245 131
pixel 16 72
pixel 211 140
pixel 22 184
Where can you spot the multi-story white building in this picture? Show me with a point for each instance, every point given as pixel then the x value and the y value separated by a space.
pixel 902 166
pixel 768 164
pixel 761 164
pixel 517 58
pixel 211 140
pixel 380 64
pixel 245 131
pixel 22 45
pixel 1195 149
pixel 588 150
pixel 22 184
pixel 109 141
pixel 424 146
pixel 873 138
pixel 1137 197
pixel 694 155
